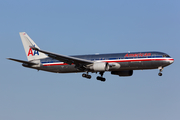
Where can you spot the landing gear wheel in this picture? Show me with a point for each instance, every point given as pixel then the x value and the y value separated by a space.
pixel 86 76
pixel 98 78
pixel 160 74
pixel 101 78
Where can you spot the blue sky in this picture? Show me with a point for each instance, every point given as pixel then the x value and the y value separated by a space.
pixel 88 27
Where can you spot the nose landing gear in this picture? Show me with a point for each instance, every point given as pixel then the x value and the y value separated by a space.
pixel 160 70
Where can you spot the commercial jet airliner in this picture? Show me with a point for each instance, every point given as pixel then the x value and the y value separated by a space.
pixel 121 64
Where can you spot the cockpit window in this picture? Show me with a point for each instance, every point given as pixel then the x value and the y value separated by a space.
pixel 165 55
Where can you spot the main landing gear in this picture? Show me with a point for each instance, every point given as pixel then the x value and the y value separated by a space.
pixel 100 77
pixel 86 75
pixel 160 71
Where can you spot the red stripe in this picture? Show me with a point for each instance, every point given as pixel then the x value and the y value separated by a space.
pixel 55 64
pixel 132 60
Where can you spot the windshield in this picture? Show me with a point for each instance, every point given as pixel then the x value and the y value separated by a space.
pixel 165 55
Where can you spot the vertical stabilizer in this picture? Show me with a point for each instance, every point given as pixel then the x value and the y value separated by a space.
pixel 30 53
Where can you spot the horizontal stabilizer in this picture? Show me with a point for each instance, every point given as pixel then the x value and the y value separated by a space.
pixel 22 61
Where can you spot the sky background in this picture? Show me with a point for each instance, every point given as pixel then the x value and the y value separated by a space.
pixel 75 27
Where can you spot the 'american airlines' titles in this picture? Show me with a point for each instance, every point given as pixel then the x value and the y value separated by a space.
pixel 138 55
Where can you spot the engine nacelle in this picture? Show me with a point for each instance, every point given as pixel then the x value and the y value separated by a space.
pixel 114 66
pixel 123 73
pixel 100 66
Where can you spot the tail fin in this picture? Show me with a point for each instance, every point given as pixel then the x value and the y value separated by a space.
pixel 31 54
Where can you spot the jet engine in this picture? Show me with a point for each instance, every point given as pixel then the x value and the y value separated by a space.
pixel 123 73
pixel 100 66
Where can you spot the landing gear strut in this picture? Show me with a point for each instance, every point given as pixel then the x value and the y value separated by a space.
pixel 86 76
pixel 160 70
pixel 100 77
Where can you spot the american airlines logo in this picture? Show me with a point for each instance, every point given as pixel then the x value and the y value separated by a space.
pixel 32 52
pixel 138 55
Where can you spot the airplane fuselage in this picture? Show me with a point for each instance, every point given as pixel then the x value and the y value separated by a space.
pixel 127 61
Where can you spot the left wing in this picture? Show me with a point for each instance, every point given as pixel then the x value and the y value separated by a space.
pixel 22 61
pixel 63 58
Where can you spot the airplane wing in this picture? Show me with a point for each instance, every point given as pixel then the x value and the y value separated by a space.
pixel 63 58
pixel 22 61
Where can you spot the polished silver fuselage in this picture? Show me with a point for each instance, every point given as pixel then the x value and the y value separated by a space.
pixel 127 61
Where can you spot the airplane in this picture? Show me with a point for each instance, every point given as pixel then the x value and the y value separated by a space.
pixel 121 64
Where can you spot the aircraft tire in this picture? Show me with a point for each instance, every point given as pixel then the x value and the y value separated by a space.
pixel 160 74
pixel 84 75
pixel 88 76
pixel 101 78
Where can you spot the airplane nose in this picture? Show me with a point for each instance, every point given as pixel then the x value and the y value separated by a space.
pixel 171 61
